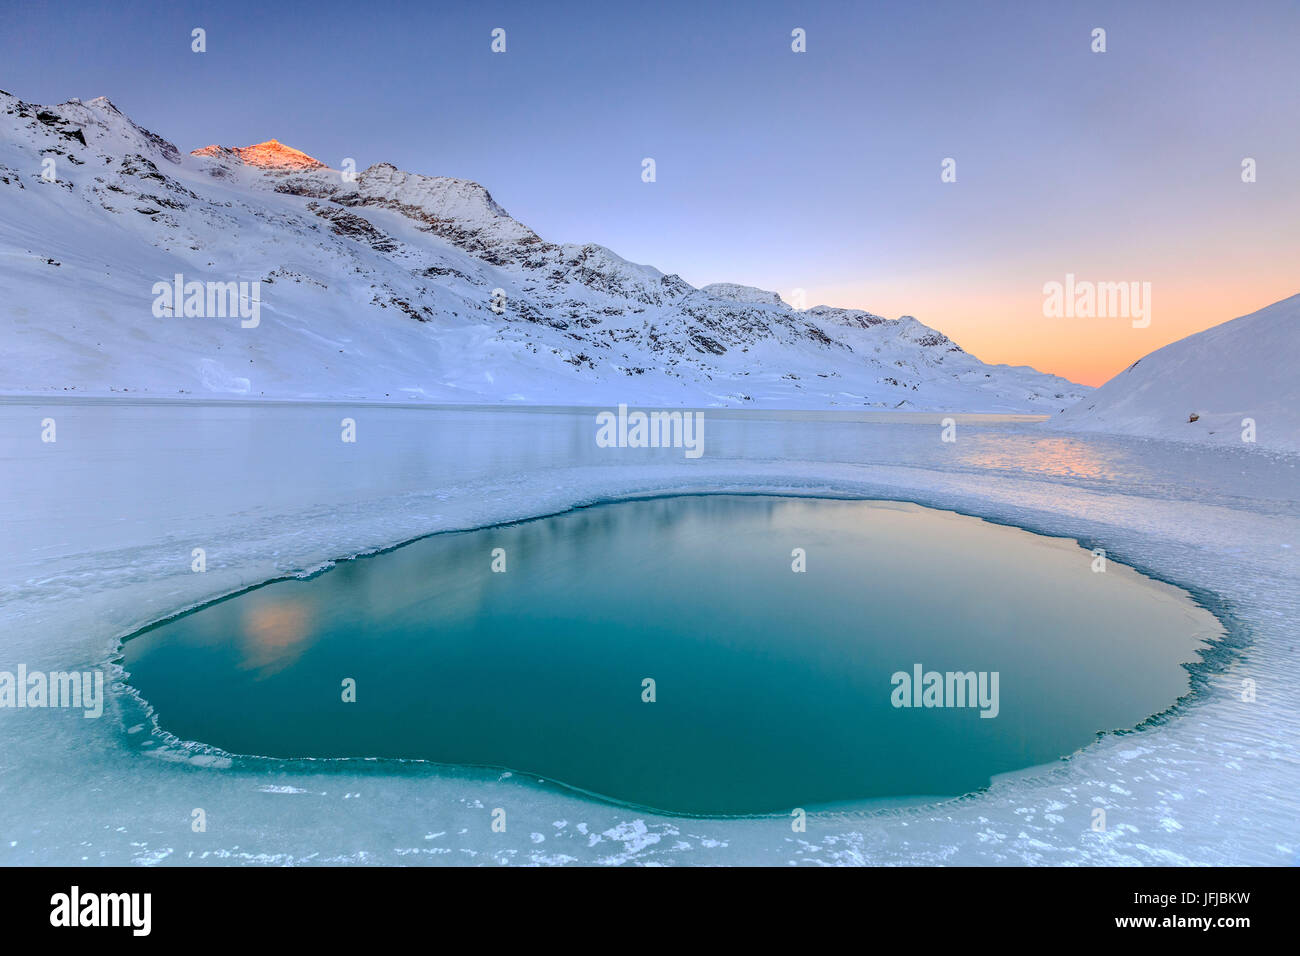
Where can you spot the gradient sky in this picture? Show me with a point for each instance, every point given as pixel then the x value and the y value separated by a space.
pixel 817 171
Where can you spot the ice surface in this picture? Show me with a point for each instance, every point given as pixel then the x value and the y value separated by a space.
pixel 96 532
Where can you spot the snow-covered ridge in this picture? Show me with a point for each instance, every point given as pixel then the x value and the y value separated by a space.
pixel 391 285
pixel 1234 384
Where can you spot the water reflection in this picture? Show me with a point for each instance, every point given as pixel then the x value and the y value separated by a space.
pixel 1047 456
pixel 273 634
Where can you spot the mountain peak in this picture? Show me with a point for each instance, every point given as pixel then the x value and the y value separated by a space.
pixel 271 154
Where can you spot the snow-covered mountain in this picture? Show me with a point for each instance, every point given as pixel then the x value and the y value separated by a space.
pixel 388 285
pixel 1203 388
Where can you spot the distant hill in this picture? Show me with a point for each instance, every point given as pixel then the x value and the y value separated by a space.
pixel 1245 368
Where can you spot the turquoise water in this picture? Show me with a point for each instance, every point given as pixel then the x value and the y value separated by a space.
pixel 773 689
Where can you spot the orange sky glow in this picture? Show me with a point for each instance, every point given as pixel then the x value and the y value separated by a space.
pixel 1003 323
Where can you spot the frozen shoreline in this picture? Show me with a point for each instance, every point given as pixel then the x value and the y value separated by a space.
pixel 1215 782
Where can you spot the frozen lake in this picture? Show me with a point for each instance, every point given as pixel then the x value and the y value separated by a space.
pixel 99 528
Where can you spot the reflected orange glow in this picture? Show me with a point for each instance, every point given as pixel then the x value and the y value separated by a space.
pixel 273 636
pixel 1050 457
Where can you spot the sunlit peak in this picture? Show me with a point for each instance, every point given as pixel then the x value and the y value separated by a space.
pixel 271 154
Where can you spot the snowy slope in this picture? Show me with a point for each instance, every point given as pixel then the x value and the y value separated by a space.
pixel 383 287
pixel 1242 369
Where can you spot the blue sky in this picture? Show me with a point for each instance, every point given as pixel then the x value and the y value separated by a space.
pixel 817 170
